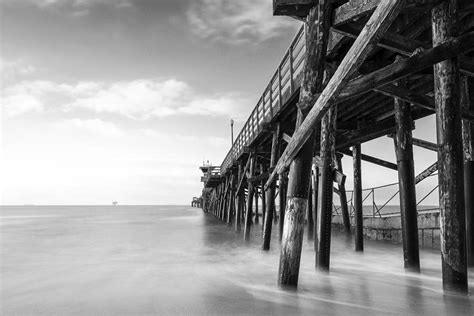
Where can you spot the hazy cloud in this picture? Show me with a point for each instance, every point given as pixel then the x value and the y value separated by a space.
pixel 94 126
pixel 236 22
pixel 14 69
pixel 136 99
pixel 75 8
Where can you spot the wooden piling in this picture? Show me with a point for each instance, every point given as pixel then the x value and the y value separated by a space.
pixel 283 186
pixel 325 194
pixel 309 212
pixel 450 153
pixel 357 198
pixel 467 103
pixel 250 192
pixel 264 202
pixel 406 183
pixel 240 202
pixel 314 198
pixel 317 25
pixel 231 204
pixel 343 198
pixel 270 193
pixel 256 220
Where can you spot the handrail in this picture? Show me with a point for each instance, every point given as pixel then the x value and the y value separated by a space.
pixel 282 80
pixel 376 209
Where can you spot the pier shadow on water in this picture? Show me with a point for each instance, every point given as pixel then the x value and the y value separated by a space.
pixel 176 260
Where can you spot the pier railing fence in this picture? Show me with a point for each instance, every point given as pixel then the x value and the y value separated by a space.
pixel 377 201
pixel 284 82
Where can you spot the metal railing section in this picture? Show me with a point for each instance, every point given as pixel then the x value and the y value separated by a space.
pixel 369 201
pixel 284 82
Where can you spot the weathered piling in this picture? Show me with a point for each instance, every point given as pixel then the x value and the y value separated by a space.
pixel 450 153
pixel 343 198
pixel 309 212
pixel 262 184
pixel 256 220
pixel 250 192
pixel 467 103
pixel 239 200
pixel 270 193
pixel 231 206
pixel 357 198
pixel 314 198
pixel 325 198
pixel 317 25
pixel 282 188
pixel 406 181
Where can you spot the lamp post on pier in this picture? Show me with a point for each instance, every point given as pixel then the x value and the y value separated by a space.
pixel 231 132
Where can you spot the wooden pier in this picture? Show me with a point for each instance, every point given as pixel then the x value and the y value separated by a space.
pixel 355 71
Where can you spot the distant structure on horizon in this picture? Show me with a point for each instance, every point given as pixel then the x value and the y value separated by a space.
pixel 114 203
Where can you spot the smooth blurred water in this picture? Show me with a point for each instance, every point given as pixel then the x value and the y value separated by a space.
pixel 134 260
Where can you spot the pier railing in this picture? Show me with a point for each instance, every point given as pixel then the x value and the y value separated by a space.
pixel 284 82
pixel 371 202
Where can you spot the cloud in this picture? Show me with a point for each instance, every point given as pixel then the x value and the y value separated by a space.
pixel 14 69
pixel 94 126
pixel 15 105
pixel 70 3
pixel 75 8
pixel 237 22
pixel 137 99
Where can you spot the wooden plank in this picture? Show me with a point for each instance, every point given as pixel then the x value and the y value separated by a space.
pixel 426 173
pixel 286 137
pixel 422 143
pixel 243 175
pixel 377 161
pixel 338 177
pixel 407 95
pixel 353 10
pixel 448 49
pixel 378 23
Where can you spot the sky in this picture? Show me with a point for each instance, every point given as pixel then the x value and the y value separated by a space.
pixel 122 100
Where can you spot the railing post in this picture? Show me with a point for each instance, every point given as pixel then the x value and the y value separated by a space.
pixel 290 59
pixel 279 87
pixel 261 104
pixel 271 99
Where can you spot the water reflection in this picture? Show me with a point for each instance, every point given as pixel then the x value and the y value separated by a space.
pixel 176 260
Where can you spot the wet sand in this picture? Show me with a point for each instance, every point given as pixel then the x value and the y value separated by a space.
pixel 141 260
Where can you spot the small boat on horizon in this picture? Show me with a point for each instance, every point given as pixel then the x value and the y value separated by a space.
pixel 114 203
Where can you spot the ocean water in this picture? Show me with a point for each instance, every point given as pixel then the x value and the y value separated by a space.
pixel 175 260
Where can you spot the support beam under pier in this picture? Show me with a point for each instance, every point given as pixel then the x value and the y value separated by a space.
pixel 406 183
pixel 325 192
pixel 357 197
pixel 343 198
pixel 270 193
pixel 250 192
pixel 450 156
pixel 467 103
pixel 318 23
